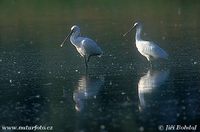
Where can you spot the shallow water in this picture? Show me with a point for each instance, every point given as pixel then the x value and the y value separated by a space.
pixel 43 84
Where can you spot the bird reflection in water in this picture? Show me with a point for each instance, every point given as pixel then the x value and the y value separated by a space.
pixel 149 82
pixel 87 88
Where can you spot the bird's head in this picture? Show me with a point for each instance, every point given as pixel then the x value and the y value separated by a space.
pixel 135 25
pixel 74 28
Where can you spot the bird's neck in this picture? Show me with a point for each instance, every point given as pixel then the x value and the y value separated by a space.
pixel 138 34
pixel 74 37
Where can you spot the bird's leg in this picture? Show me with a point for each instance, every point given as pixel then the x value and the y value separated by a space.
pixel 86 65
pixel 85 62
pixel 88 59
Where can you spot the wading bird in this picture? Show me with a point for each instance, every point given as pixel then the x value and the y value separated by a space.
pixel 147 48
pixel 85 46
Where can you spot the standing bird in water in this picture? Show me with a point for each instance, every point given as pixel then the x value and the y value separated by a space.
pixel 147 48
pixel 85 46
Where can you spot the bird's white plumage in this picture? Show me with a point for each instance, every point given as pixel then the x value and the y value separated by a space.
pixel 89 47
pixel 147 48
pixel 85 46
pixel 150 50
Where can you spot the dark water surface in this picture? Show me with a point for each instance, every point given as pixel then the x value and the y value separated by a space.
pixel 43 84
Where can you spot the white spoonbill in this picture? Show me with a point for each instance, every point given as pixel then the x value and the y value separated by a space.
pixel 147 48
pixel 85 46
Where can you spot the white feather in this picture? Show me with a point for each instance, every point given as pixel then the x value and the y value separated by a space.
pixel 148 48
